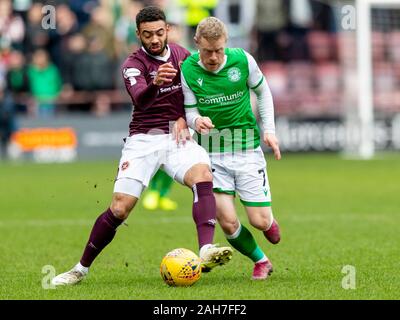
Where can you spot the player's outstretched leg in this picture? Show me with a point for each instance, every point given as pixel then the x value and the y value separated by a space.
pixel 101 235
pixel 204 215
pixel 239 236
pixel 243 241
pixel 204 209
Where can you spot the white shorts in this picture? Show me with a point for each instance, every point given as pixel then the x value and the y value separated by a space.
pixel 144 154
pixel 244 173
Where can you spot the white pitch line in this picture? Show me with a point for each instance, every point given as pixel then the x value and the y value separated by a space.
pixel 86 222
pixel 154 220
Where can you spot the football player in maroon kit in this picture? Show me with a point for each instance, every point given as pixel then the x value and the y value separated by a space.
pixel 152 79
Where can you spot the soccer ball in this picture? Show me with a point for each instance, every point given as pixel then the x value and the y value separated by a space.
pixel 180 267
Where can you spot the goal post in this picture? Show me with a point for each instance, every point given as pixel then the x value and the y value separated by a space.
pixel 364 148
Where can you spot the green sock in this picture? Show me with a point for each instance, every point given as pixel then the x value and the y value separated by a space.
pixel 156 181
pixel 245 243
pixel 165 183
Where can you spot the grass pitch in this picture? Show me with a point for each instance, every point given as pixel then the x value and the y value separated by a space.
pixel 332 212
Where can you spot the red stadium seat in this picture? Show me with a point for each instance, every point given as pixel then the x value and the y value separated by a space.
pixel 328 77
pixel 276 75
pixel 347 46
pixel 301 77
pixel 378 46
pixel 384 79
pixel 321 46
pixel 393 45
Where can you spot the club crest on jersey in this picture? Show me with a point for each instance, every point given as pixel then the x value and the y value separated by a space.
pixel 153 74
pixel 234 74
pixel 125 165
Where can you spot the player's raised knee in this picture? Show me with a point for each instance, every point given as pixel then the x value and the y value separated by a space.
pixel 198 173
pixel 205 175
pixel 122 205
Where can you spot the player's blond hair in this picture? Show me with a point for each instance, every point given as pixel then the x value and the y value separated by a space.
pixel 211 28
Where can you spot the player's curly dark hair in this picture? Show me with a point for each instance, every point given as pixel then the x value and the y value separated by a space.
pixel 149 14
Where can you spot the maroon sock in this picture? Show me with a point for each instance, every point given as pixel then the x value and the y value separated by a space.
pixel 204 212
pixel 102 233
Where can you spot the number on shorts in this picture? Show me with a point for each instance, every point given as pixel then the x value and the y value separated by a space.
pixel 263 173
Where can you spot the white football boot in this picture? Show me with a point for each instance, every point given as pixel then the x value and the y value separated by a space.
pixel 213 256
pixel 70 277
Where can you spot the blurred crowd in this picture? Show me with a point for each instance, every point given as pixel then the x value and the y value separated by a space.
pixel 68 59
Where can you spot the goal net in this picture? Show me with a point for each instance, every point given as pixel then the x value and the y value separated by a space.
pixel 372 80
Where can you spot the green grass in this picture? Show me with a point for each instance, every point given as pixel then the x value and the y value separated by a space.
pixel 332 213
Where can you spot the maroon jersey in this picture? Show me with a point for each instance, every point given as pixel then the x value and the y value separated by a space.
pixel 154 107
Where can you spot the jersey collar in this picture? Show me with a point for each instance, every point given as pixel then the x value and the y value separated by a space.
pixel 216 71
pixel 164 58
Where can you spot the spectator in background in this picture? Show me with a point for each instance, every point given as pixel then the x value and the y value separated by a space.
pixel 236 14
pixel 125 29
pixel 282 27
pixel 76 64
pixel 176 19
pixel 89 69
pixel 100 30
pixel 195 11
pixel 36 36
pixel 83 10
pixel 7 120
pixel 176 33
pixel 67 26
pixel 300 23
pixel 323 16
pixel 101 66
pixel 12 28
pixel 100 49
pixel 270 23
pixel 126 40
pixel 76 74
pixel 21 7
pixel 17 78
pixel 44 82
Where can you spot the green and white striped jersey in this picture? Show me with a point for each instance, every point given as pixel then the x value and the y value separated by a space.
pixel 224 97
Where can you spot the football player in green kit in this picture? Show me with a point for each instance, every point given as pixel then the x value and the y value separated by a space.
pixel 216 83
